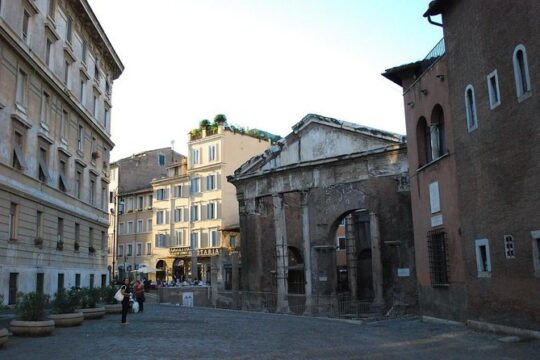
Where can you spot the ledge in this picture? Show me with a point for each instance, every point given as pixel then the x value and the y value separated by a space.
pixel 22 119
pixel 435 161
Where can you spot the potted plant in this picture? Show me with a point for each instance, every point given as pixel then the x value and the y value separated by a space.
pixel 89 301
pixel 60 245
pixel 204 124
pixel 30 309
pixel 111 305
pixel 220 119
pixel 64 309
pixel 91 249
pixel 76 246
pixel 38 242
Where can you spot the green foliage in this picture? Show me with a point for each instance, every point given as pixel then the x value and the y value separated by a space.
pixel 89 297
pixel 220 118
pixel 31 306
pixel 107 294
pixel 65 302
pixel 204 123
pixel 2 306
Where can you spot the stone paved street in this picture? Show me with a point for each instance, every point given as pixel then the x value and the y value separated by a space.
pixel 170 332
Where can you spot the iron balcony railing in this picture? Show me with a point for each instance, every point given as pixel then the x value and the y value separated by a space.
pixel 435 53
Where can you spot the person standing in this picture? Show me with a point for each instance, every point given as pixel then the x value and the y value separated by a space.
pixel 126 291
pixel 139 294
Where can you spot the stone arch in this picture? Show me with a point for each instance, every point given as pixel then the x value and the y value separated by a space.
pixel 423 142
pixel 161 270
pixel 438 135
pixel 178 269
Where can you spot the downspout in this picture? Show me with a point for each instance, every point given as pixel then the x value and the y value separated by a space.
pixel 433 22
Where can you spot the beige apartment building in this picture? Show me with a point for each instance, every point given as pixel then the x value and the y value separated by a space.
pixel 195 208
pixel 131 250
pixel 56 73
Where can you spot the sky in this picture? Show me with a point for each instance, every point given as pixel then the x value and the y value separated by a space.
pixel 263 63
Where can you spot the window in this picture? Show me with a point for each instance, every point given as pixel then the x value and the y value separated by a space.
pixel 232 241
pixel 214 240
pixel 423 139
pixel 195 212
pixel 120 250
pixel 178 191
pixel 130 250
pixel 48 51
pixel 437 133
pixel 178 238
pixel 434 199
pixel 12 297
pixel 148 225
pixel 194 240
pixel 341 242
pixel 96 72
pixel 77 280
pixel 161 159
pixel 177 215
pixel 129 204
pixel 438 258
pixel 92 194
pixel 149 200
pixel 161 240
pixel 64 126
pixel 103 240
pixel 195 156
pixel 521 72
pixel 84 52
pixel 43 171
pixel 148 248
pixel 483 258
pixel 212 152
pixel 130 227
pixel 121 228
pixel 78 182
pixel 95 105
pixel 40 278
pixel 90 238
pixel 493 90
pixel 60 230
pixel 195 185
pixel 20 99
pixel 536 251
pixel 13 220
pixel 69 29
pixel 160 217
pixel 80 138
pixel 140 202
pixel 211 210
pixel 62 175
pixel 139 249
pixel 77 234
pixel 211 182
pixel 67 67
pixel 50 10
pixel 39 224
pixel 60 282
pixel 161 194
pixel 106 115
pixel 470 108
pixel 82 91
pixel 509 250
pixel 18 161
pixel 26 27
pixel 103 204
pixel 140 226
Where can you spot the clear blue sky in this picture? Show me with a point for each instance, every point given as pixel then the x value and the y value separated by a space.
pixel 264 64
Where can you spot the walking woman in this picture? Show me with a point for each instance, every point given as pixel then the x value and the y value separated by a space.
pixel 139 294
pixel 126 291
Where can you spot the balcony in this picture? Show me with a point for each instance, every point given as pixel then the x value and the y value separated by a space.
pixel 438 50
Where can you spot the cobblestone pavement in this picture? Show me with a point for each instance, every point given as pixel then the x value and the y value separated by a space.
pixel 170 332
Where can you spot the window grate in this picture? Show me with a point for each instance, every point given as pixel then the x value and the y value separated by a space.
pixel 438 260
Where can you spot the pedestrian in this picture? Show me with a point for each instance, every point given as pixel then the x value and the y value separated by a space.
pixel 139 294
pixel 126 291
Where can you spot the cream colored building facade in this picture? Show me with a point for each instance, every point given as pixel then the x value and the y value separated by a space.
pixel 56 73
pixel 195 208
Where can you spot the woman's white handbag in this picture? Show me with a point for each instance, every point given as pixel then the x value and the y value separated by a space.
pixel 118 296
pixel 135 307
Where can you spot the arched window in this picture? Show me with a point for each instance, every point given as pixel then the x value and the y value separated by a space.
pixel 423 141
pixel 470 108
pixel 521 72
pixel 438 137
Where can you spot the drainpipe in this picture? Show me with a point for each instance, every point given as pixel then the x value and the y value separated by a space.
pixel 433 22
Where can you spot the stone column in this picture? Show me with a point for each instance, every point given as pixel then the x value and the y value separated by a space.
pixel 281 254
pixel 307 255
pixel 376 262
pixel 351 230
pixel 214 279
pixel 194 274
pixel 235 279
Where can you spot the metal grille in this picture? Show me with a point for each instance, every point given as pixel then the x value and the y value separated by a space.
pixel 438 261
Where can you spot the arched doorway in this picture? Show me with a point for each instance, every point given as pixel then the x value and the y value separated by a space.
pixel 161 270
pixel 179 270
